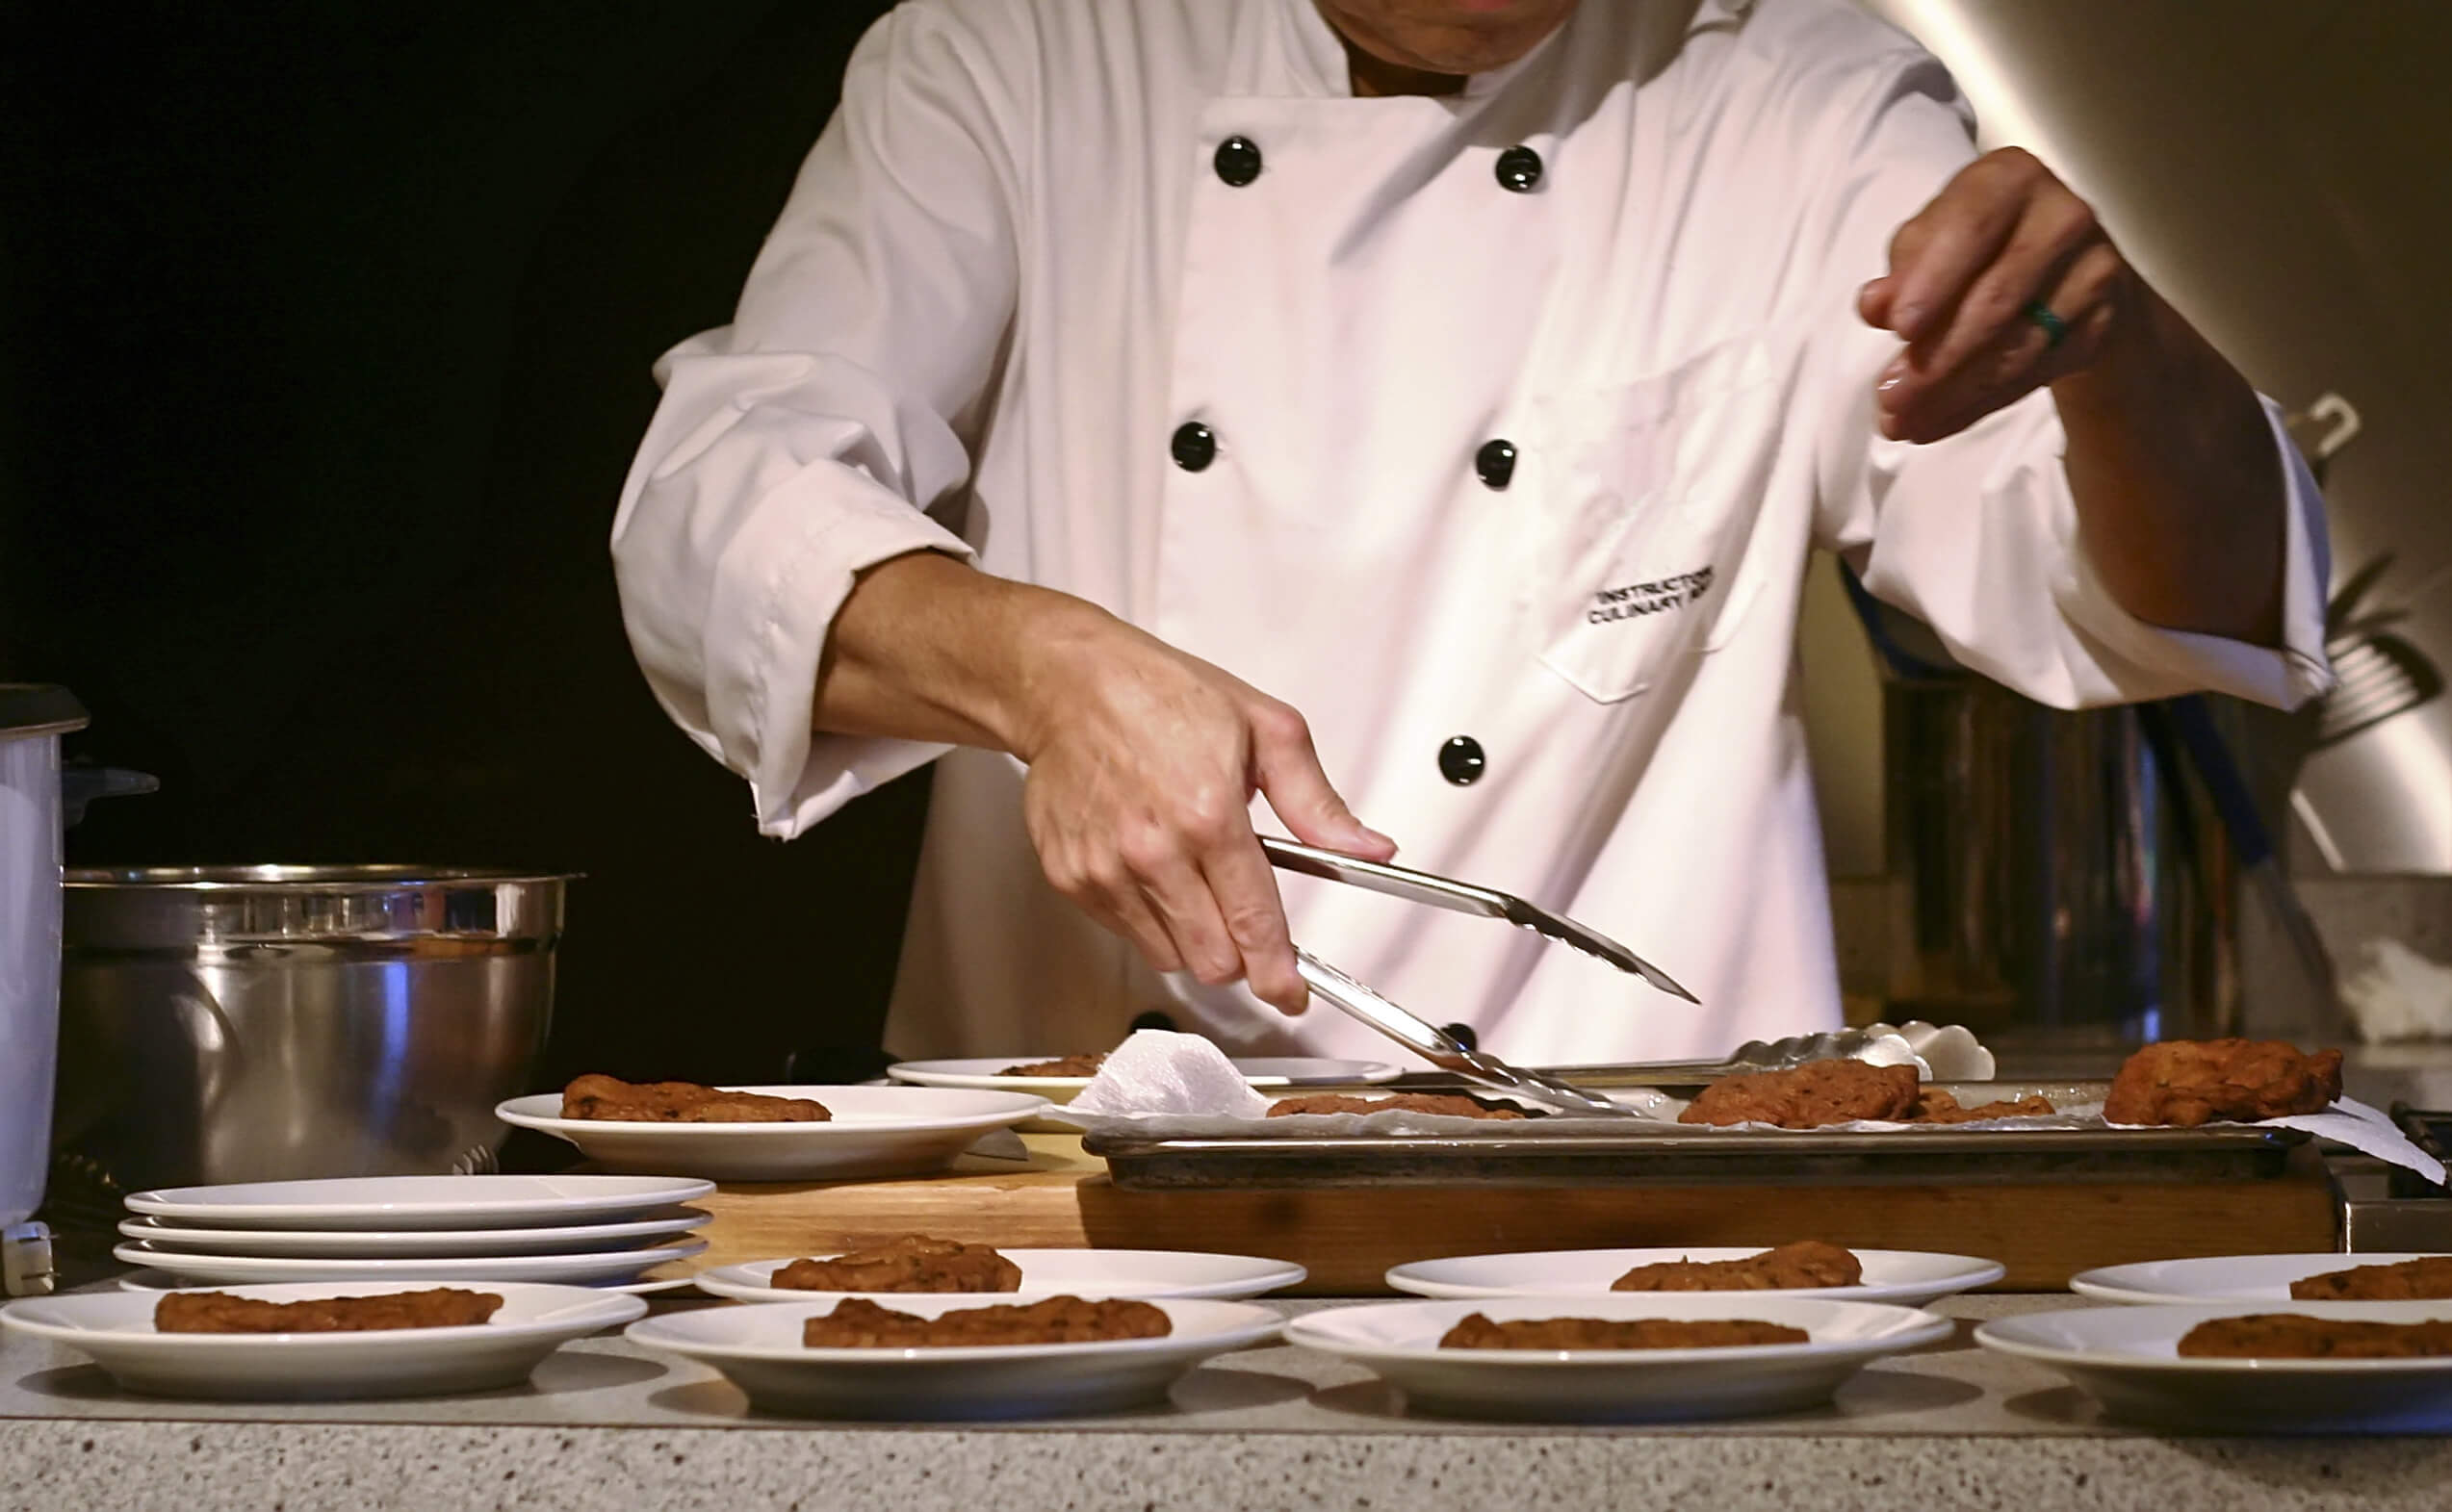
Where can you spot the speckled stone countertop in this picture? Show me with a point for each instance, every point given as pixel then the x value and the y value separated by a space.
pixel 605 1424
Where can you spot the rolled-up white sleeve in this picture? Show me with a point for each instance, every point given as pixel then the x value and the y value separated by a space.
pixel 1977 535
pixel 809 439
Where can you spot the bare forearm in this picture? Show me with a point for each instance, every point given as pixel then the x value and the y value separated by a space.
pixel 2179 489
pixel 927 648
pixel 2006 282
pixel 1142 760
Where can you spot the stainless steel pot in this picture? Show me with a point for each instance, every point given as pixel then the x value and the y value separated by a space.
pixel 261 1023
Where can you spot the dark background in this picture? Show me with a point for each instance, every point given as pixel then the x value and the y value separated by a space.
pixel 327 342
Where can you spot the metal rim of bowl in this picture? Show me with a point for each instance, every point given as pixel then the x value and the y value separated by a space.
pixel 279 878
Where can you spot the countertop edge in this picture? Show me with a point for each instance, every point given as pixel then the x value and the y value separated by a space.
pixel 205 1465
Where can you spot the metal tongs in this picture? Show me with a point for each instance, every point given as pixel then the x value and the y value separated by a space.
pixel 1463 897
pixel 1437 1046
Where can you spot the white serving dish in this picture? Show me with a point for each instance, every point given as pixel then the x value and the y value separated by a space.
pixel 1401 1341
pixel 758 1348
pixel 389 1203
pixel 2218 1278
pixel 876 1130
pixel 2127 1358
pixel 1081 1273
pixel 150 1280
pixel 1907 1277
pixel 1264 1073
pixel 116 1329
pixel 589 1268
pixel 343 1243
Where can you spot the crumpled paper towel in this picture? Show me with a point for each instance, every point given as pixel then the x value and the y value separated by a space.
pixel 1171 1086
pixel 1157 1071
pixel 2399 994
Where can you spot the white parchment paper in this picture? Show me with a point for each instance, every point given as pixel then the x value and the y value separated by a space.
pixel 1159 1085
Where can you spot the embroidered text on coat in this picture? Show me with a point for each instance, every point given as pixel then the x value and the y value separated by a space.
pixel 1638 599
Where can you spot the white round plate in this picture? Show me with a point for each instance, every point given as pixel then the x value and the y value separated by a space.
pixel 1265 1073
pixel 165 1281
pixel 390 1203
pixel 2218 1278
pixel 2128 1358
pixel 1082 1272
pixel 876 1130
pixel 759 1350
pixel 116 1329
pixel 1401 1341
pixel 582 1270
pixel 345 1244
pixel 1908 1277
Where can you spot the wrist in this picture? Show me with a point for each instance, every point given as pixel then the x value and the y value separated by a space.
pixel 2131 364
pixel 1055 642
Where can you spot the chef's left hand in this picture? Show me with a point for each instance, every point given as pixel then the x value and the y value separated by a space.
pixel 2002 234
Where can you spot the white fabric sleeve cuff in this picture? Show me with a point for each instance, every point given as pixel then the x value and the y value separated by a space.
pixel 778 586
pixel 2155 660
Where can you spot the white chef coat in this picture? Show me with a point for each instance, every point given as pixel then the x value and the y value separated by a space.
pixel 1012 271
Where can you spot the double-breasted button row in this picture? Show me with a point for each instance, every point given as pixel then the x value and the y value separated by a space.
pixel 1238 163
pixel 1194 446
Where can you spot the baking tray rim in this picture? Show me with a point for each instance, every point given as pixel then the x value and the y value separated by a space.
pixel 1683 1139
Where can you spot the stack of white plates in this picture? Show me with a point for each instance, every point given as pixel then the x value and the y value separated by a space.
pixel 610 1232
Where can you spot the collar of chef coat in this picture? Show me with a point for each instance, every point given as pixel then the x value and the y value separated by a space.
pixel 1311 60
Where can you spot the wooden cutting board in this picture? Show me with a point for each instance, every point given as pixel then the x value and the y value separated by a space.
pixel 2045 1232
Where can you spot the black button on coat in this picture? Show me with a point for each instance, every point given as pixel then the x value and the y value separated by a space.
pixel 1237 160
pixel 1495 464
pixel 1461 760
pixel 1194 446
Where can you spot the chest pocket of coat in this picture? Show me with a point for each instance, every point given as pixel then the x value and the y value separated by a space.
pixel 1649 497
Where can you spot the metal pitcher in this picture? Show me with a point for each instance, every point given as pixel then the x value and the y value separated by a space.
pixel 2051 873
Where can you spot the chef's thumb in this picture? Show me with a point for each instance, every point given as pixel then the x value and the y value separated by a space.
pixel 1289 775
pixel 1874 302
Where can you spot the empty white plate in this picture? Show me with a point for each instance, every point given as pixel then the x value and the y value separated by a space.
pixel 1401 1341
pixel 1082 1272
pixel 1908 1277
pixel 1265 1072
pixel 620 1265
pixel 876 1130
pixel 2218 1278
pixel 345 1244
pixel 2128 1358
pixel 759 1350
pixel 116 1329
pixel 398 1202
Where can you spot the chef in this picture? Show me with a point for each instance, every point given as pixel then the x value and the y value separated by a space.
pixel 1173 417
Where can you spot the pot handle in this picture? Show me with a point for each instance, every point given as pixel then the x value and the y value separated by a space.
pixel 80 786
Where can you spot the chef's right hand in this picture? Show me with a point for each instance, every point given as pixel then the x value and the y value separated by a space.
pixel 1143 763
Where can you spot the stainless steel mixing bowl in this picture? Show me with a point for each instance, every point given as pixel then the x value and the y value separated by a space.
pixel 263 1023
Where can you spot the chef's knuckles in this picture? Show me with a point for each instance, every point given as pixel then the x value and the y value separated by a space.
pixel 1153 838
pixel 2003 235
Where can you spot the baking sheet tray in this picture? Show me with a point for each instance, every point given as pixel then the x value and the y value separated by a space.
pixel 1567 1151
